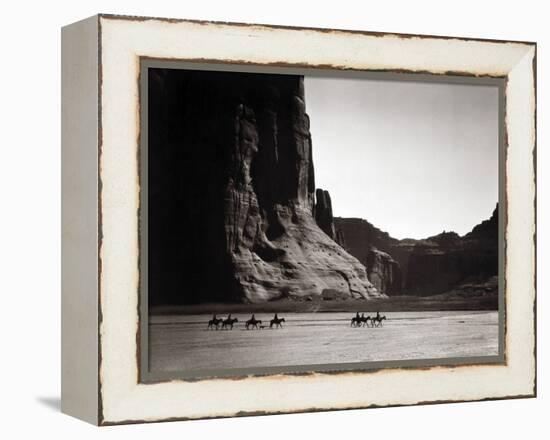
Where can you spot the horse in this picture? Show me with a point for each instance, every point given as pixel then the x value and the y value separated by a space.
pixel 277 322
pixel 377 320
pixel 252 322
pixel 365 320
pixel 214 323
pixel 358 321
pixel 355 321
pixel 228 323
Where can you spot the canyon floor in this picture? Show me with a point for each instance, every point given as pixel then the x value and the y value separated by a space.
pixel 182 342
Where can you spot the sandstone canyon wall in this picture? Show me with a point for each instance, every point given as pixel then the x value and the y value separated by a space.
pixel 384 272
pixel 232 194
pixel 323 213
pixel 374 248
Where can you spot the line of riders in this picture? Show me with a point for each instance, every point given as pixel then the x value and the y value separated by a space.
pixel 252 323
pixel 363 321
pixel 227 324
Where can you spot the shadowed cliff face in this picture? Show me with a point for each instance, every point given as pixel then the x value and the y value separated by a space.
pixel 430 266
pixel 375 249
pixel 231 193
pixel 384 272
pixel 323 213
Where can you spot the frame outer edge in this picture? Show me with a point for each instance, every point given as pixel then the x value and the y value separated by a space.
pixel 79 285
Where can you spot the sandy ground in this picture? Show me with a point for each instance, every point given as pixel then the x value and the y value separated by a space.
pixel 183 342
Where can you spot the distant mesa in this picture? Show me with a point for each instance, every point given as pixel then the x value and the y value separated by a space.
pixel 425 267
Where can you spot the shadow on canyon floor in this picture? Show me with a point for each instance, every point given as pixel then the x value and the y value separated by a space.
pixel 392 304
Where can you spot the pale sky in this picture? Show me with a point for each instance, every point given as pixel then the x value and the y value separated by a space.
pixel 412 158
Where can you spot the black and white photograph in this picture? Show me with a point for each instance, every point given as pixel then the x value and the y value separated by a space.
pixel 304 222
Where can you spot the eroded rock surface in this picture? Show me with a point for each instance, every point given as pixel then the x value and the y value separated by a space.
pixel 232 201
pixel 323 212
pixel 383 271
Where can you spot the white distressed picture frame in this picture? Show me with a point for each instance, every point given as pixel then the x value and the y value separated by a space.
pixel 101 194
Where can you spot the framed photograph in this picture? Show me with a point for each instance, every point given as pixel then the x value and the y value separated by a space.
pixel 263 219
